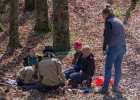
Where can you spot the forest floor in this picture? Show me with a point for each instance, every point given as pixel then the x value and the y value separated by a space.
pixel 86 25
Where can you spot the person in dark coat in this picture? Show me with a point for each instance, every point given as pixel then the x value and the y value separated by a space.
pixel 87 70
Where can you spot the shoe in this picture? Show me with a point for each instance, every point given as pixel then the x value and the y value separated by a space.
pixel 73 83
pixel 19 87
pixel 103 91
pixel 87 90
pixel 114 89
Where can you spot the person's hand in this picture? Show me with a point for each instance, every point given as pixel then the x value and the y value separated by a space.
pixel 81 72
pixel 84 82
pixel 66 83
pixel 72 69
pixel 36 81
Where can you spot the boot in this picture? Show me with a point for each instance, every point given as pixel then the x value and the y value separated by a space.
pixel 103 91
pixel 73 83
pixel 114 89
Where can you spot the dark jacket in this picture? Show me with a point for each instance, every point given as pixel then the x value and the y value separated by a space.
pixel 88 66
pixel 77 61
pixel 26 61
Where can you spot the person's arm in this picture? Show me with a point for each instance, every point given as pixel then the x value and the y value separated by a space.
pixel 39 75
pixel 79 65
pixel 91 68
pixel 73 64
pixel 25 62
pixel 60 73
pixel 39 58
pixel 107 37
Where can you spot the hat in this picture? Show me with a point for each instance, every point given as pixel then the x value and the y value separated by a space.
pixel 48 49
pixel 99 81
pixel 77 44
pixel 111 82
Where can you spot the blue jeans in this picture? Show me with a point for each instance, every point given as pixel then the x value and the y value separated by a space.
pixel 115 56
pixel 67 73
pixel 80 78
pixel 76 76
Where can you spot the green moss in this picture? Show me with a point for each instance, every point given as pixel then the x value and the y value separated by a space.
pixel 119 12
pixel 1 28
pixel 49 1
pixel 127 13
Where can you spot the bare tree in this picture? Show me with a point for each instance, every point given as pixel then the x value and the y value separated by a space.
pixel 42 24
pixel 110 2
pixel 30 4
pixel 13 32
pixel 61 38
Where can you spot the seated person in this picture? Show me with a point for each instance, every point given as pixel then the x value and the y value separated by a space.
pixel 87 70
pixel 50 74
pixel 32 58
pixel 76 63
pixel 25 75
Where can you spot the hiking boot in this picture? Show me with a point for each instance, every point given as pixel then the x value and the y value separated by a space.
pixel 103 91
pixel 20 87
pixel 114 89
pixel 87 90
pixel 73 83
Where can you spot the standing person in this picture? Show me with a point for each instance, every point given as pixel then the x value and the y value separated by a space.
pixel 114 38
pixel 76 63
pixel 32 58
pixel 87 71
pixel 50 74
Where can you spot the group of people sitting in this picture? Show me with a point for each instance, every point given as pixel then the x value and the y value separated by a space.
pixel 48 67
pixel 45 73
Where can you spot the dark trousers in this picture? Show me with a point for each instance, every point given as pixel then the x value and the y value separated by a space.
pixel 42 87
pixel 80 78
pixel 19 82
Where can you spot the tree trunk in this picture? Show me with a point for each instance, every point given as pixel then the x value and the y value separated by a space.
pixel 41 24
pixel 131 8
pixel 61 38
pixel 1 28
pixel 133 4
pixel 30 4
pixel 13 32
pixel 110 2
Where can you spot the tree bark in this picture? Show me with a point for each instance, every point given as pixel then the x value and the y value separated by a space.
pixel 110 2
pixel 133 4
pixel 41 24
pixel 61 38
pixel 13 32
pixel 30 5
pixel 1 28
